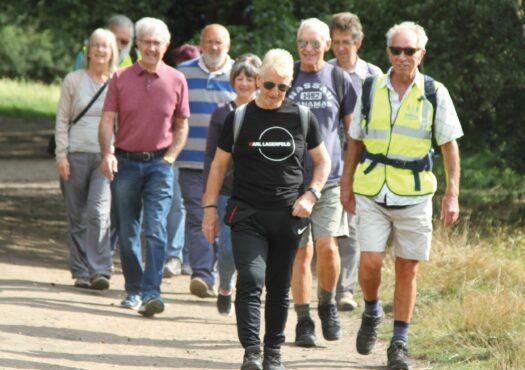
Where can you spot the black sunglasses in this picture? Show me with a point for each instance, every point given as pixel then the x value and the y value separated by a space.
pixel 268 85
pixel 397 50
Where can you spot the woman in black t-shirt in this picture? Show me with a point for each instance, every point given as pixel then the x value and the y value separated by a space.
pixel 268 209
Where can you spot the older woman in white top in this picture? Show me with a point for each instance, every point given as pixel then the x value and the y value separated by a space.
pixel 86 191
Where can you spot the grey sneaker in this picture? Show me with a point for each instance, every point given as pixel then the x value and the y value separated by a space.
pixel 186 270
pixel 330 322
pixel 172 267
pixel 398 357
pixel 272 359
pixel 151 307
pixel 82 282
pixel 346 302
pixel 131 301
pixel 305 333
pixel 199 288
pixel 99 282
pixel 367 334
pixel 252 358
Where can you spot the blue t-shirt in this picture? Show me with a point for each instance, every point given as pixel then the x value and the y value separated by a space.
pixel 316 90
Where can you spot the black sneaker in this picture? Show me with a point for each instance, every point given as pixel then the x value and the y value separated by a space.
pixel 367 334
pixel 272 359
pixel 398 357
pixel 305 332
pixel 252 358
pixel 224 304
pixel 330 321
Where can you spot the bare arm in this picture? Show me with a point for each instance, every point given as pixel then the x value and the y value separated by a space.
pixel 322 164
pixel 218 169
pixel 180 134
pixel 108 165
pixel 450 203
pixel 353 155
pixel 346 125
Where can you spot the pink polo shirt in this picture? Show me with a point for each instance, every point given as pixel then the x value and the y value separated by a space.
pixel 146 104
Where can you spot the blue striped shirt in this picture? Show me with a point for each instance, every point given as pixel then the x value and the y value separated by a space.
pixel 206 90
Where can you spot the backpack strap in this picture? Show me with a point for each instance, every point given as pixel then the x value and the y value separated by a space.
pixel 304 113
pixel 133 54
pixel 430 93
pixel 296 69
pixel 338 79
pixel 365 100
pixel 238 120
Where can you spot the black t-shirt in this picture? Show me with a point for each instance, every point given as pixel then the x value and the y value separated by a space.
pixel 269 154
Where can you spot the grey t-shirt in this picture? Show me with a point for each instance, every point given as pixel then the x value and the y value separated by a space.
pixel 316 90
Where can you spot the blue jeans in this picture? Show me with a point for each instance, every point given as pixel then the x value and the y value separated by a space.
pixel 202 255
pixel 145 187
pixel 176 219
pixel 225 263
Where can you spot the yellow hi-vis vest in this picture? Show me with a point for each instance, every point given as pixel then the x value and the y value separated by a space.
pixel 397 153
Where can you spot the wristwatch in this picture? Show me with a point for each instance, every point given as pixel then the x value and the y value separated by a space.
pixel 315 192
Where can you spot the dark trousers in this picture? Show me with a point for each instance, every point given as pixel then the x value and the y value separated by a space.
pixel 264 246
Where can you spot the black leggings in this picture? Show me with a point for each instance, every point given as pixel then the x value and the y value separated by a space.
pixel 264 246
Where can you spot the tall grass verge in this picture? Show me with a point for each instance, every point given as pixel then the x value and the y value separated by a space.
pixel 471 302
pixel 28 99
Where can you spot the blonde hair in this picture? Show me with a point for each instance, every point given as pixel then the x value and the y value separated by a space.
pixel 110 37
pixel 280 60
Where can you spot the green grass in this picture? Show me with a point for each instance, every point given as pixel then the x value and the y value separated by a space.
pixel 28 99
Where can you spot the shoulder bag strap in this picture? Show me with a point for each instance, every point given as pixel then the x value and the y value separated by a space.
pixel 81 114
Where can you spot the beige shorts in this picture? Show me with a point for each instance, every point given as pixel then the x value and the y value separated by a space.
pixel 411 228
pixel 328 218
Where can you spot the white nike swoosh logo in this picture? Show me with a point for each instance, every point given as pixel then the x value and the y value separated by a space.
pixel 300 231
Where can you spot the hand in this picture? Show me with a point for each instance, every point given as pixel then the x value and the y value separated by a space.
pixel 347 198
pixel 449 209
pixel 109 166
pixel 303 205
pixel 63 169
pixel 210 224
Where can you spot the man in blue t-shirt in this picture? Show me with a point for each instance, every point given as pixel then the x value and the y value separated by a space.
pixel 315 86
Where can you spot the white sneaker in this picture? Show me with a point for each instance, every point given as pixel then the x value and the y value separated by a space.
pixel 172 267
pixel 346 302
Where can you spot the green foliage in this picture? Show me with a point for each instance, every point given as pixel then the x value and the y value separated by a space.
pixel 28 99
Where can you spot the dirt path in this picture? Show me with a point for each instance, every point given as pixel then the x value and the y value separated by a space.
pixel 45 323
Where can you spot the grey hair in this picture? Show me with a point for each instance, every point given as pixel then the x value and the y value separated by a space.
pixel 107 34
pixel 317 25
pixel 419 31
pixel 347 21
pixel 152 27
pixel 248 63
pixel 119 20
pixel 280 60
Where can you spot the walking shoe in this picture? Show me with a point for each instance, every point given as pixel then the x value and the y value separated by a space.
pixel 199 288
pixel 346 302
pixel 186 270
pixel 99 282
pixel 272 359
pixel 398 357
pixel 82 282
pixel 329 321
pixel 224 304
pixel 367 334
pixel 252 358
pixel 131 301
pixel 172 267
pixel 151 306
pixel 305 332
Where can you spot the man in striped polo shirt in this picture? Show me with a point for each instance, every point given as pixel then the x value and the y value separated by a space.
pixel 208 79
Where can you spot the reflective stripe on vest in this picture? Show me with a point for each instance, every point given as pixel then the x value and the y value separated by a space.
pixel 393 146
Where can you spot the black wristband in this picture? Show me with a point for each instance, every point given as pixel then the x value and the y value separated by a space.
pixel 210 206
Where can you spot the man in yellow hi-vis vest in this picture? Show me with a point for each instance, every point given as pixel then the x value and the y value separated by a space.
pixel 388 181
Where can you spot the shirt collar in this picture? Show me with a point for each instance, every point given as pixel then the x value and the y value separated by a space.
pixel 225 69
pixel 418 81
pixel 140 71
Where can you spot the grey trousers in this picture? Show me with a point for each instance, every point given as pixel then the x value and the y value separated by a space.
pixel 349 253
pixel 87 198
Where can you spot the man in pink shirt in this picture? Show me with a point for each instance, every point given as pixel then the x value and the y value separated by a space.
pixel 148 103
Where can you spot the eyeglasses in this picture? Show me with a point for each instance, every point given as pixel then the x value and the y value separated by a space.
pixel 123 41
pixel 268 85
pixel 100 46
pixel 397 50
pixel 316 44
pixel 154 43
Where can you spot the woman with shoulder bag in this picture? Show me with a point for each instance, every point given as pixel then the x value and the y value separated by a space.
pixel 86 191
